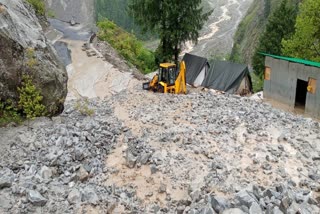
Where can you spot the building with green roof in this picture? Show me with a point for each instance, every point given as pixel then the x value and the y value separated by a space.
pixel 292 83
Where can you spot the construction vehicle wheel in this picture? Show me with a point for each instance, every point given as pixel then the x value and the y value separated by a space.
pixel 160 89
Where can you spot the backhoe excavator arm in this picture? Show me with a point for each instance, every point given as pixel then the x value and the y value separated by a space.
pixel 180 83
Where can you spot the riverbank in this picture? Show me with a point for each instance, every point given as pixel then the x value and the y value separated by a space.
pixel 216 37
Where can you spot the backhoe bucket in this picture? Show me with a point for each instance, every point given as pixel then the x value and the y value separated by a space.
pixel 146 86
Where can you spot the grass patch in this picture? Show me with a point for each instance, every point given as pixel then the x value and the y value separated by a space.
pixel 39 6
pixel 127 45
pixel 83 108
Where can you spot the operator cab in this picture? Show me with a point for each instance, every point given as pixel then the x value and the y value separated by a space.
pixel 168 73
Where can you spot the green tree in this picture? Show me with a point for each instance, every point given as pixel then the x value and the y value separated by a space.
pixel 305 43
pixel 175 22
pixel 280 25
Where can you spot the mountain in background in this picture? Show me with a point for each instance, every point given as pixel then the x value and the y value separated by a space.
pixel 251 28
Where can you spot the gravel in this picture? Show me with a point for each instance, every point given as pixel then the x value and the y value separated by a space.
pixel 195 153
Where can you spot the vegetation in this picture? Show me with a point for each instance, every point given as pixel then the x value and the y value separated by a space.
pixel 116 11
pixel 175 22
pixel 305 43
pixel 9 113
pixel 30 99
pixel 29 104
pixel 279 26
pixel 127 45
pixel 39 6
pixel 83 108
pixel 257 82
pixel 252 27
pixel 51 14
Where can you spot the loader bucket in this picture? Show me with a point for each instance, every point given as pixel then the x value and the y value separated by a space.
pixel 146 86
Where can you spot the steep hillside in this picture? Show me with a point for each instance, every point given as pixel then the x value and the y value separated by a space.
pixel 116 11
pixel 250 29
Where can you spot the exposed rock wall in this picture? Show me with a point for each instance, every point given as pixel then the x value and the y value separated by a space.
pixel 19 31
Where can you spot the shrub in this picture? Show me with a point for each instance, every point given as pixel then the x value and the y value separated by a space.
pixel 9 113
pixel 257 82
pixel 127 45
pixel 30 99
pixel 51 14
pixel 39 6
pixel 83 108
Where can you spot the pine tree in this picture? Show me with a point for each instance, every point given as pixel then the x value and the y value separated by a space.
pixel 305 43
pixel 280 25
pixel 175 21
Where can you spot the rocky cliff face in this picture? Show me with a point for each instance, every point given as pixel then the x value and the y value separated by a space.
pixel 20 31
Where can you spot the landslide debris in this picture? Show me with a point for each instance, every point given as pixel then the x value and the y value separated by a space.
pixel 154 153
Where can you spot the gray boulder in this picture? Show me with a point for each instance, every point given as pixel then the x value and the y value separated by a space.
pixel 255 209
pixel 5 203
pixel 74 196
pixel 219 204
pixel 5 181
pixel 233 211
pixel 89 195
pixel 130 159
pixel 22 39
pixel 207 210
pixel 45 172
pixel 36 198
pixel 245 198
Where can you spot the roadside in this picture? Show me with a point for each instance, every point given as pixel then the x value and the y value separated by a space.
pixel 92 73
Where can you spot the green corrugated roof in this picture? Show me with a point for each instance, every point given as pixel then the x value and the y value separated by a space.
pixel 296 60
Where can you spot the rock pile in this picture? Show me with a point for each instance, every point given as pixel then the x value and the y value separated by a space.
pixel 278 200
pixel 199 153
pixel 218 145
pixel 55 166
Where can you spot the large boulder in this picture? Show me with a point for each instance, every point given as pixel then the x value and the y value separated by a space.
pixel 20 34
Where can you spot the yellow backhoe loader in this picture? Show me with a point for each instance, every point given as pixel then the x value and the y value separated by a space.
pixel 168 79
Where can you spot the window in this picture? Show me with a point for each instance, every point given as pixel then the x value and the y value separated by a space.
pixel 172 75
pixel 312 85
pixel 267 73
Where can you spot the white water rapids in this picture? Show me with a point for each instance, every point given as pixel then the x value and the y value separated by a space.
pixel 216 38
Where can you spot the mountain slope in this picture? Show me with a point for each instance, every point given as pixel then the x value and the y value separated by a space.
pixel 250 29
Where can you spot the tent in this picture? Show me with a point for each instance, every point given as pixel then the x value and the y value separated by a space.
pixel 229 77
pixel 197 68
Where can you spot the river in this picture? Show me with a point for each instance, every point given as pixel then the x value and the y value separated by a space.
pixel 216 37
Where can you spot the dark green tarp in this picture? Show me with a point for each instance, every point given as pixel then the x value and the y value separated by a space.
pixel 226 76
pixel 194 65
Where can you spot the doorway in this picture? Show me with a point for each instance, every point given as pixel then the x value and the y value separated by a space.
pixel 301 94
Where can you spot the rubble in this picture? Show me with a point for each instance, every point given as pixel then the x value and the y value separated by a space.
pixel 197 153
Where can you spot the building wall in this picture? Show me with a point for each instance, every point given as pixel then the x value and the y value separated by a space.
pixel 283 83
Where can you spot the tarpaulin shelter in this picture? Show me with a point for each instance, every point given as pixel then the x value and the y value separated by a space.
pixel 197 68
pixel 227 76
